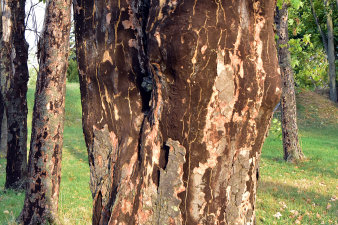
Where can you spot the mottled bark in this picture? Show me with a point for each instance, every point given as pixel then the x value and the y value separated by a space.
pixel 177 97
pixel 292 149
pixel 331 53
pixel 14 78
pixel 42 193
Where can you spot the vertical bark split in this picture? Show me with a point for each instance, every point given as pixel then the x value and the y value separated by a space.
pixel 292 149
pixel 177 97
pixel 14 78
pixel 42 193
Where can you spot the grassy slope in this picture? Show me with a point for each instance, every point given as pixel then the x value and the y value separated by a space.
pixel 306 188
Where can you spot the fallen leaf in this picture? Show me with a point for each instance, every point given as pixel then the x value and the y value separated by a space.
pixel 333 198
pixel 277 215
pixel 283 205
pixel 297 222
pixel 318 216
pixel 300 218
pixel 294 213
pixel 6 212
pixel 328 206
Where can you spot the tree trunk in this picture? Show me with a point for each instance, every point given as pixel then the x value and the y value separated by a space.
pixel 3 149
pixel 331 53
pixel 42 194
pixel 14 54
pixel 292 150
pixel 177 97
pixel 3 132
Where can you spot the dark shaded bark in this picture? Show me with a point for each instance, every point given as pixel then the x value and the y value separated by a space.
pixel 177 97
pixel 42 194
pixel 3 133
pixel 331 53
pixel 292 149
pixel 14 54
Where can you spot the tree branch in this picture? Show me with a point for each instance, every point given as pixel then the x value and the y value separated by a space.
pixel 324 38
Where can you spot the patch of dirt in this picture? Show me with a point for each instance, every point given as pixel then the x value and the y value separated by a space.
pixel 316 108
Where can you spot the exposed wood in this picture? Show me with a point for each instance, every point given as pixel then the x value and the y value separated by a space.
pixel 42 194
pixel 292 149
pixel 14 78
pixel 180 93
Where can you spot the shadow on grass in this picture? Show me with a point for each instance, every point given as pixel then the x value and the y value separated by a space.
pixel 300 197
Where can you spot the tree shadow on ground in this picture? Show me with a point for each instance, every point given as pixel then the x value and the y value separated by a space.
pixel 299 196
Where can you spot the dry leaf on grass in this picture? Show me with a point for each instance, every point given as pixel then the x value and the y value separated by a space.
pixel 278 215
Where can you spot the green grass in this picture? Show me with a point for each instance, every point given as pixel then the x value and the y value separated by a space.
pixel 300 193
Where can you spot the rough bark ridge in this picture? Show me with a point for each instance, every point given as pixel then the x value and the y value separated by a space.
pixel 42 194
pixel 177 97
pixel 14 78
pixel 292 150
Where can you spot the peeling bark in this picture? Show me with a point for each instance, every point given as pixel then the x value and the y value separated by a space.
pixel 292 149
pixel 42 193
pixel 14 78
pixel 162 77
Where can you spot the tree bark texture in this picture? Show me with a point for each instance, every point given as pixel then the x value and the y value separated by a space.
pixel 177 97
pixel 292 150
pixel 14 78
pixel 3 151
pixel 331 53
pixel 42 193
pixel 3 134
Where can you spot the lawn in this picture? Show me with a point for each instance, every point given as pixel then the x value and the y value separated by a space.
pixel 287 193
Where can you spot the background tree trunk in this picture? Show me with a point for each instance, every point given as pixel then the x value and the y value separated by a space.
pixel 331 53
pixel 292 150
pixel 42 194
pixel 177 97
pixel 328 43
pixel 14 53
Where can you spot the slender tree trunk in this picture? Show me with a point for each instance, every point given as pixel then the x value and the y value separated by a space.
pixel 331 53
pixel 42 194
pixel 14 55
pixel 177 97
pixel 292 150
pixel 328 43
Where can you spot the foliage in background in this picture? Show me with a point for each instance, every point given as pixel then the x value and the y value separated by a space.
pixel 72 71
pixel 308 57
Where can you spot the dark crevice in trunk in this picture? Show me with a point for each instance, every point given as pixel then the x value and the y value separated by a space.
pixel 144 81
